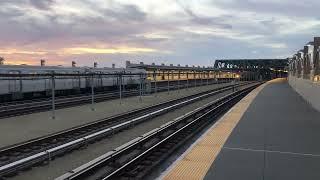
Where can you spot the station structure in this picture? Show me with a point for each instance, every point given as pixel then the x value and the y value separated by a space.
pixel 305 63
pixel 264 69
pixel 164 72
pixel 244 69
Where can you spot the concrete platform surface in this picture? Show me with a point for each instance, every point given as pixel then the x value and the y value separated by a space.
pixel 21 128
pixel 276 139
pixel 197 159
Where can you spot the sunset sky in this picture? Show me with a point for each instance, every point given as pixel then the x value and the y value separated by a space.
pixel 193 32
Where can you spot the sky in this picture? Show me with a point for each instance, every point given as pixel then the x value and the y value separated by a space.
pixel 193 32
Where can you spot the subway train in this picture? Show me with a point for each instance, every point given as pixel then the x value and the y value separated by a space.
pixel 22 88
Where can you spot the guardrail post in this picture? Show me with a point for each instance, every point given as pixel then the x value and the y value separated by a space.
pixel 49 156
pixel 92 93
pixel 53 96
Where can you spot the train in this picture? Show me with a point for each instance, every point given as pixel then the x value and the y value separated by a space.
pixel 78 80
pixel 21 88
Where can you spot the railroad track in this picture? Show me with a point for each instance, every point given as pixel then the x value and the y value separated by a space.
pixel 32 106
pixel 39 106
pixel 27 154
pixel 135 159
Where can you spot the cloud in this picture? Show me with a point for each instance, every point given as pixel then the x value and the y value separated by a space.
pixel 211 21
pixel 42 4
pixel 24 52
pixel 306 8
pixel 123 50
pixel 126 13
pixel 192 32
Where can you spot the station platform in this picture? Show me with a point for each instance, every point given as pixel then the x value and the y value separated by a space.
pixel 271 134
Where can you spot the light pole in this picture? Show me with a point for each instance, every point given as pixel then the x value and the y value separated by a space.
pixel 155 83
pixel 120 87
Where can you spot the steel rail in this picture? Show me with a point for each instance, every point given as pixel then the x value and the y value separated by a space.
pixel 26 154
pixel 197 118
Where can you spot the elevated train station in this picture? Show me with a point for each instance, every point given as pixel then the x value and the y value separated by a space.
pixel 264 69
pixel 239 119
pixel 164 72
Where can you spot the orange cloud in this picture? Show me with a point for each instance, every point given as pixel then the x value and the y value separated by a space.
pixel 61 56
pixel 122 50
pixel 16 51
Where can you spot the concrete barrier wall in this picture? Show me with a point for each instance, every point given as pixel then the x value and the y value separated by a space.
pixel 309 90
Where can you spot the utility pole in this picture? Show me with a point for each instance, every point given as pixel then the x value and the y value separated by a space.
pixel 155 83
pixel 120 87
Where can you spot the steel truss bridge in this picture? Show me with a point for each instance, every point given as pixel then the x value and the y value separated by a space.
pixel 258 68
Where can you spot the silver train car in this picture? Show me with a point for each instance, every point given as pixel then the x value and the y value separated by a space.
pixel 16 88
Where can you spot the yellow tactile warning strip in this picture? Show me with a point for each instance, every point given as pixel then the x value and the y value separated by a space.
pixel 195 163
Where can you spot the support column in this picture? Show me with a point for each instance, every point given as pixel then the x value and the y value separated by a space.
pixel 120 87
pixel 315 68
pixel 187 81
pixel 201 76
pixel 168 82
pixel 140 88
pixel 155 83
pixel 195 79
pixel 178 81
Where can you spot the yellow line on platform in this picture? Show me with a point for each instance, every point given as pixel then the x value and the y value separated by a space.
pixel 195 163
